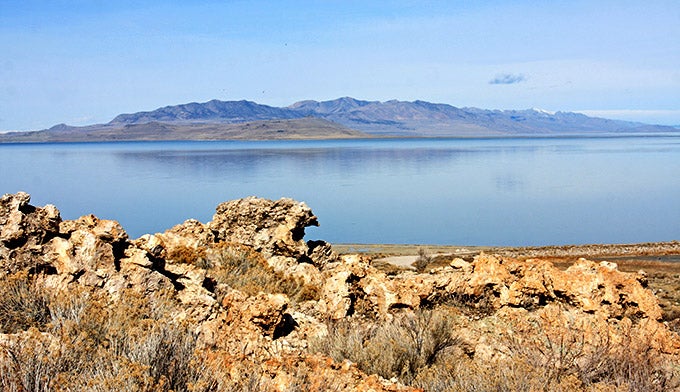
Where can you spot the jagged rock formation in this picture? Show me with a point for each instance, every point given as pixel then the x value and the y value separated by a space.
pixel 24 229
pixel 494 299
pixel 97 254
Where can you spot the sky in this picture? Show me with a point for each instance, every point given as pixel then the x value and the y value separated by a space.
pixel 85 61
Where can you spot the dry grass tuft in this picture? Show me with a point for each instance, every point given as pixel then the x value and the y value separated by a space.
pixel 554 352
pixel 22 304
pixel 241 268
pixel 75 340
pixel 188 255
pixel 618 355
pixel 402 348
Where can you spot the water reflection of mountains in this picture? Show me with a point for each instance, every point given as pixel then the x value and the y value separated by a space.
pixel 346 159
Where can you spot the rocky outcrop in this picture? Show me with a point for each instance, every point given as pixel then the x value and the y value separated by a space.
pixel 494 296
pixel 96 252
pixel 491 281
pixel 24 229
pixel 272 227
pixel 97 256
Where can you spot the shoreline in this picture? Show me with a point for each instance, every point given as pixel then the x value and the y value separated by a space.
pixel 664 248
pixel 632 255
pixel 27 137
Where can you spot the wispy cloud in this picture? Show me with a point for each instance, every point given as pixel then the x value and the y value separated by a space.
pixel 507 79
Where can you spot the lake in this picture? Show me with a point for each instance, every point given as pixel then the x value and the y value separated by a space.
pixel 524 191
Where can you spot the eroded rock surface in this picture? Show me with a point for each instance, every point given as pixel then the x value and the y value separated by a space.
pixel 492 280
pixel 271 227
pixel 24 229
pixel 495 295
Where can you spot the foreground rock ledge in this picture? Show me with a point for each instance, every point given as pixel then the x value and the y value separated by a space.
pixel 496 296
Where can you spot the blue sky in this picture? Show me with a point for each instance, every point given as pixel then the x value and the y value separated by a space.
pixel 85 61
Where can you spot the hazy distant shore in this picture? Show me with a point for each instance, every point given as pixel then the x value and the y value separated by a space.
pixel 667 251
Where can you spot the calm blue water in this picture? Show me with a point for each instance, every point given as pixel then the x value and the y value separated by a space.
pixel 467 192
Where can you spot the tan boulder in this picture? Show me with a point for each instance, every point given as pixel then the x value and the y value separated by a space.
pixel 88 244
pixel 601 287
pixel 271 227
pixel 23 230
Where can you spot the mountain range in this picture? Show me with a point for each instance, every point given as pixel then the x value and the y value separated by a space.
pixel 340 118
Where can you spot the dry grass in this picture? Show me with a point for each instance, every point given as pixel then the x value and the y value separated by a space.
pixel 188 255
pixel 289 374
pixel 22 304
pixel 618 355
pixel 551 353
pixel 243 269
pixel 473 306
pixel 76 340
pixel 401 348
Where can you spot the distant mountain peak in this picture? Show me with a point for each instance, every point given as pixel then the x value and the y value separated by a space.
pixel 543 111
pixel 393 117
pixel 214 110
pixel 60 127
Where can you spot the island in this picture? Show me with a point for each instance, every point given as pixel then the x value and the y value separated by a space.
pixel 336 119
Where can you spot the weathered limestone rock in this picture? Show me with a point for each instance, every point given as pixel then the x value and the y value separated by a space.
pixel 271 227
pixel 23 230
pixel 589 286
pixel 289 266
pixel 180 243
pixel 21 222
pixel 87 245
pixel 321 253
pixel 530 299
pixel 601 287
pixel 137 271
pixel 338 292
pixel 461 264
pixel 244 325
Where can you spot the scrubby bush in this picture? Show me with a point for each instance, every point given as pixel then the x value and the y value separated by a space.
pixel 403 347
pixel 423 260
pixel 616 355
pixel 76 340
pixel 242 268
pixel 549 353
pixel 22 304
